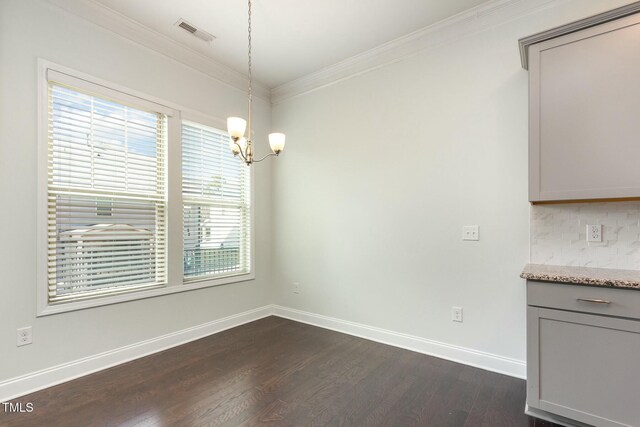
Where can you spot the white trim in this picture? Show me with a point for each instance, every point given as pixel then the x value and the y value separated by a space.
pixel 204 119
pixel 173 202
pixel 25 384
pixel 29 383
pixel 130 29
pixel 479 18
pixel 479 359
pixel 63 307
pixel 71 76
pixel 42 291
pixel 487 15
pixel 90 85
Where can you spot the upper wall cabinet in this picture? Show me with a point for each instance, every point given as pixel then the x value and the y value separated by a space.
pixel 584 108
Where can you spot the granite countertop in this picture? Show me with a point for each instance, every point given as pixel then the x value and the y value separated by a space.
pixel 608 277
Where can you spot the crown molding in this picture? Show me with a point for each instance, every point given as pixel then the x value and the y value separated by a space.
pixel 491 13
pixel 444 32
pixel 572 27
pixel 130 29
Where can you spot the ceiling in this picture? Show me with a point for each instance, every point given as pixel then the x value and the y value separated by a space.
pixel 291 38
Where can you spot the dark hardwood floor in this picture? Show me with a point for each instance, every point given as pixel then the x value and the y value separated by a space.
pixel 278 372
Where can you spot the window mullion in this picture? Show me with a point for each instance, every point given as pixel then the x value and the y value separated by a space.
pixel 126 146
pixel 173 162
pixel 90 141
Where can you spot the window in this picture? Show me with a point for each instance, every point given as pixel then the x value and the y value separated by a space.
pixel 216 205
pixel 106 196
pixel 133 202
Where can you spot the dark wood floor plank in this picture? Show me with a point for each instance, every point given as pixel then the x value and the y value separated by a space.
pixel 482 402
pixel 278 372
pixel 452 403
pixel 372 397
pixel 434 376
pixel 506 393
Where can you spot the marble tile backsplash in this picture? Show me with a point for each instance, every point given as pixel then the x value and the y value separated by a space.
pixel 559 235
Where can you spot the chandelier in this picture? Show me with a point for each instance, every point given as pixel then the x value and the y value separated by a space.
pixel 237 126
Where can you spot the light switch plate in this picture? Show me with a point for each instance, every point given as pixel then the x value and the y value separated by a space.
pixel 456 314
pixel 470 232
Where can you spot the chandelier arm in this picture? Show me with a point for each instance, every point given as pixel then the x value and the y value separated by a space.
pixel 268 155
pixel 241 153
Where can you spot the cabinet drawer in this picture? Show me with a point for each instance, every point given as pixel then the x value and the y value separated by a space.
pixel 613 301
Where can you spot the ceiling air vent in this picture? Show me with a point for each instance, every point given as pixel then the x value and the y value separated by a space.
pixel 192 29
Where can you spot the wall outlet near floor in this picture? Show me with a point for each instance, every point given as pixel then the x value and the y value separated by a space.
pixel 295 288
pixel 594 233
pixel 470 232
pixel 456 314
pixel 24 336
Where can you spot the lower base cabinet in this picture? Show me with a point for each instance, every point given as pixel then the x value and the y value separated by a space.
pixel 584 365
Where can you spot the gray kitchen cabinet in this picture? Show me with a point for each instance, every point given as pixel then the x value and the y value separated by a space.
pixel 584 109
pixel 583 353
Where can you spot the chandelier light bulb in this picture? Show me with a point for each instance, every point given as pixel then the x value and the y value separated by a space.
pixel 234 147
pixel 239 145
pixel 276 141
pixel 236 127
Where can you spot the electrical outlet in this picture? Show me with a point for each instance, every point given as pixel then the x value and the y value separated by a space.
pixel 24 336
pixel 594 233
pixel 295 288
pixel 456 314
pixel 470 232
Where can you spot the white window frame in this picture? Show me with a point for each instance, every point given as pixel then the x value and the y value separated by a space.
pixel 175 114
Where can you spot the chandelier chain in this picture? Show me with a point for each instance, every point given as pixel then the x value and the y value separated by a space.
pixel 241 145
pixel 249 63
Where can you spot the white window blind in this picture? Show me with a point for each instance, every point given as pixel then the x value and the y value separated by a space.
pixel 216 211
pixel 105 196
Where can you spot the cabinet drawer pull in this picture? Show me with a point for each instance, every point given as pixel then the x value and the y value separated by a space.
pixel 596 301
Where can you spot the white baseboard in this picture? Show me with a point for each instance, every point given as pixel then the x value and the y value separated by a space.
pixel 20 386
pixel 25 384
pixel 490 362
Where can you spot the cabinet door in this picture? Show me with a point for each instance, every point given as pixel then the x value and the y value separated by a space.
pixel 584 367
pixel 585 114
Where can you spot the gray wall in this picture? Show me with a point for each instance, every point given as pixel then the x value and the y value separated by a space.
pixel 386 169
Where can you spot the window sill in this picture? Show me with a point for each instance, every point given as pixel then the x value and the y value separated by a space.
pixel 63 307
